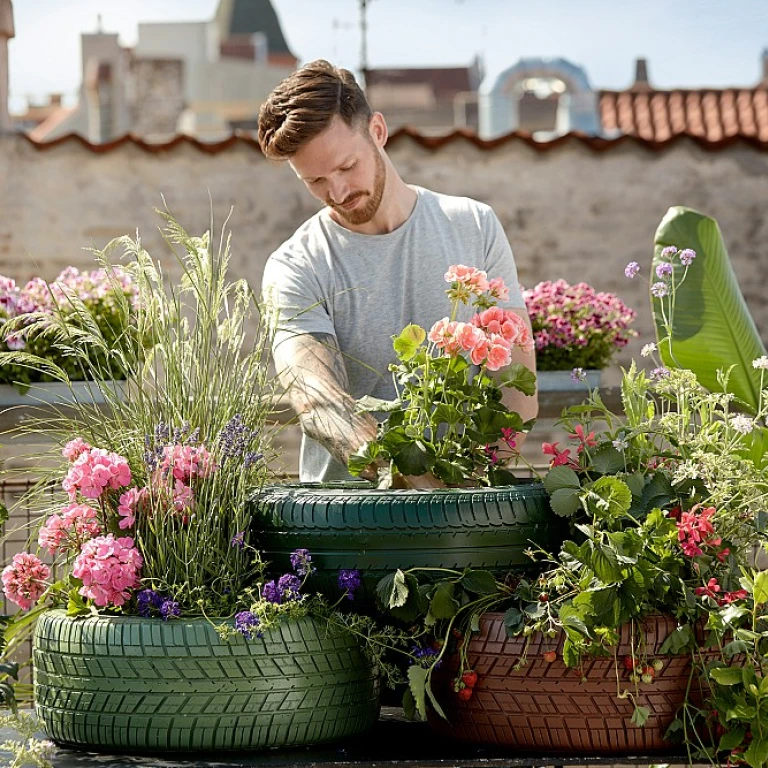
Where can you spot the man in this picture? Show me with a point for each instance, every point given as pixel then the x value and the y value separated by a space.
pixel 364 267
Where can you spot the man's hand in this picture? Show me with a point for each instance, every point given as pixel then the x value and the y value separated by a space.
pixel 312 370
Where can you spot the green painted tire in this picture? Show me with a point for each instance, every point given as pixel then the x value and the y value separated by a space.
pixel 143 684
pixel 350 525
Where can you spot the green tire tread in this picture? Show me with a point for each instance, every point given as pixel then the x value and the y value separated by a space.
pixel 144 684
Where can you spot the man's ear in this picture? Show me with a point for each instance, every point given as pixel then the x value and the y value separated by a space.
pixel 377 127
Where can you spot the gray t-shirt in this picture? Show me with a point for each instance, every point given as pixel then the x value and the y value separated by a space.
pixel 364 289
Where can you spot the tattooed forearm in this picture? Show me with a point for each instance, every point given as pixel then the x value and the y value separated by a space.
pixel 312 370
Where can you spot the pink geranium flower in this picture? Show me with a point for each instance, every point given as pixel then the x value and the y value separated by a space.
pixel 76 524
pixel 109 568
pixel 472 279
pixel 24 580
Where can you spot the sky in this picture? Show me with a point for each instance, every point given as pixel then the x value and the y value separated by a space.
pixel 691 43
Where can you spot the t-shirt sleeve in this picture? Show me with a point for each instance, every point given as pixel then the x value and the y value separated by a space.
pixel 499 260
pixel 293 298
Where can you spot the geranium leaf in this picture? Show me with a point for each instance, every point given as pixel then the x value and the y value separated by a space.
pixel 726 675
pixel 757 753
pixel 363 457
pixel 415 458
pixel 519 377
pixel 761 587
pixel 408 342
pixel 608 461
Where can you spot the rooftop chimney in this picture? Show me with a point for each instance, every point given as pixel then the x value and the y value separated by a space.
pixel 641 75
pixel 6 33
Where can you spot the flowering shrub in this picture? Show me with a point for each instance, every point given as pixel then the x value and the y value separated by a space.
pixel 448 415
pixel 575 326
pixel 98 297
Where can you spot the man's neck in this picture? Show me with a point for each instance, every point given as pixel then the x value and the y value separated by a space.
pixel 397 204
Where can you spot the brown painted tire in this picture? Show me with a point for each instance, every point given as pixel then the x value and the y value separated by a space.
pixel 545 706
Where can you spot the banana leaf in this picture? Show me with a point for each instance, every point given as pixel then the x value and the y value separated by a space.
pixel 711 326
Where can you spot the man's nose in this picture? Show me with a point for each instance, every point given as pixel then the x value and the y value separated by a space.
pixel 338 190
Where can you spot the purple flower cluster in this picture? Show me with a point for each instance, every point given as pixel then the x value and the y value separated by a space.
pixel 235 441
pixel 569 319
pixel 247 624
pixel 238 540
pixel 301 562
pixel 349 581
pixel 285 589
pixel 151 603
pixel 423 656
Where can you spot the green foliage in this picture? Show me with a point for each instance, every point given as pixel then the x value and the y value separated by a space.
pixel 704 325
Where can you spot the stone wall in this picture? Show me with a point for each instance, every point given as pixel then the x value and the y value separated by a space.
pixel 569 211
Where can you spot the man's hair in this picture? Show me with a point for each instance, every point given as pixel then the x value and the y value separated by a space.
pixel 303 105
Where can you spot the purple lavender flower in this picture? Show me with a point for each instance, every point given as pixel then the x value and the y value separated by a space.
pixel 687 256
pixel 301 562
pixel 659 290
pixel 169 609
pixel 289 586
pixel 631 269
pixel 235 440
pixel 251 458
pixel 246 623
pixel 659 373
pixel 350 582
pixel 668 252
pixel 238 540
pixel 664 269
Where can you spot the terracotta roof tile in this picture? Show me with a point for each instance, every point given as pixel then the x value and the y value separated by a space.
pixel 709 113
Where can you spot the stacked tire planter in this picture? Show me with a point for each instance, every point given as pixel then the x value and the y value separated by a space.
pixel 544 706
pixel 352 525
pixel 138 684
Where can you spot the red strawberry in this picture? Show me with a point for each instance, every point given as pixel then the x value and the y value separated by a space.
pixel 549 656
pixel 630 662
pixel 465 694
pixel 469 678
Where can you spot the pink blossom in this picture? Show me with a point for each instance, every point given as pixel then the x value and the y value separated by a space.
pixel 732 597
pixel 499 353
pixel 508 436
pixel 480 351
pixel 474 280
pixel 497 289
pixel 710 590
pixel 186 462
pixel 76 524
pixel 127 506
pixel 24 580
pixel 74 448
pixel 108 568
pixel 94 471
pixel 183 497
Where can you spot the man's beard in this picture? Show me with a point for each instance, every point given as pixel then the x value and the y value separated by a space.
pixel 364 214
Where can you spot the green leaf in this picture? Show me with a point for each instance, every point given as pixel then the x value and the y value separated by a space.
pixel 416 603
pixel 678 640
pixel 565 501
pixel 726 675
pixel 392 590
pixel 572 619
pixel 731 738
pixel 640 716
pixel 409 704
pixel 408 342
pixel 446 413
pixel 3 514
pixel 712 327
pixel 571 655
pixel 415 458
pixel 363 457
pixel 606 566
pixel 608 461
pixel 433 701
pixel 513 621
pixel 479 582
pixel 368 404
pixel 636 483
pixel 417 683
pixel 609 497
pixel 443 605
pixel 761 587
pixel 519 377
pixel 757 753
pixel 76 604
pixel 448 471
pixel 602 603
pixel 560 478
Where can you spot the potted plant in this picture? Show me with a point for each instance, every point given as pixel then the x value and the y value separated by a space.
pixel 448 419
pixel 97 302
pixel 577 331
pixel 647 625
pixel 167 632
